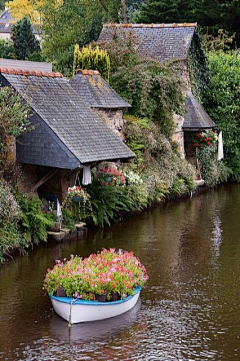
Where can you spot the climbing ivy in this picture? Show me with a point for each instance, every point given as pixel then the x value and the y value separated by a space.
pixel 13 118
pixel 153 89
pixel 197 66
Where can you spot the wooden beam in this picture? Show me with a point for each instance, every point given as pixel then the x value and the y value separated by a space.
pixel 44 179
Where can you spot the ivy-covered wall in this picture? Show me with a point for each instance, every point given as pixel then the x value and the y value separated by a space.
pixel 197 67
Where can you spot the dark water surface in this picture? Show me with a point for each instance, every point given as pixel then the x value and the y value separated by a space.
pixel 189 310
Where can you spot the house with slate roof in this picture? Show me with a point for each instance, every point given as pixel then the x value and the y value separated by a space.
pixel 67 136
pixel 95 91
pixel 6 24
pixel 164 42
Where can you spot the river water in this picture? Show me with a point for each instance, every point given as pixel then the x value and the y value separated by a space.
pixel 189 309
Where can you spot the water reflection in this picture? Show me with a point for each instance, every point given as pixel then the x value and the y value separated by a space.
pixel 217 233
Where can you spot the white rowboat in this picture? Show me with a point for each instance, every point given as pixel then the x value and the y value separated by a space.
pixel 76 310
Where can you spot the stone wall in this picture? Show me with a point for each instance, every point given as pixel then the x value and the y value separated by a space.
pixel 29 175
pixel 113 118
pixel 178 135
pixel 26 178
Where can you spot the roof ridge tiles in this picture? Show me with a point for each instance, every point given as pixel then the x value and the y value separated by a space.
pixel 163 25
pixel 31 73
pixel 87 72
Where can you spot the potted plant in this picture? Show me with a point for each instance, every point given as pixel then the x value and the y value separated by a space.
pixel 106 273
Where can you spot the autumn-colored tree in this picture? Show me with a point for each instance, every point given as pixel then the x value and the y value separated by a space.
pixel 25 8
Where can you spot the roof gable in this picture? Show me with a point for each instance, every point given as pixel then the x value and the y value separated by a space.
pixel 196 118
pixel 96 91
pixel 74 124
pixel 161 42
pixel 41 146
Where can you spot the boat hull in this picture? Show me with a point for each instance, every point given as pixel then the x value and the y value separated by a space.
pixel 76 311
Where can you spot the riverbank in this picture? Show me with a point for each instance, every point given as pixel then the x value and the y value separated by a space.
pixel 30 225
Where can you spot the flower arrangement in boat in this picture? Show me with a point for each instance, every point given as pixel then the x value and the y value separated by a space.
pixel 105 273
pixel 208 138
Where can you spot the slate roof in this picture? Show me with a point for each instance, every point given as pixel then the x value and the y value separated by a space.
pixel 96 91
pixel 196 118
pixel 67 131
pixel 5 17
pixel 157 41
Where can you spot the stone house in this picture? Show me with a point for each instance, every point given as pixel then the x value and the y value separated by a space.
pixel 164 42
pixel 68 136
pixel 95 91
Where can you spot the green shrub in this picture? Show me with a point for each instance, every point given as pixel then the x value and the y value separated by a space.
pixel 222 102
pixel 212 171
pixel 163 170
pixel 138 196
pixel 14 119
pixel 68 219
pixel 10 214
pixel 108 202
pixel 92 59
pixel 34 222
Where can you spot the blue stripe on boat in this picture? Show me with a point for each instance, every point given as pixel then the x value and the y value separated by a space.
pixel 93 303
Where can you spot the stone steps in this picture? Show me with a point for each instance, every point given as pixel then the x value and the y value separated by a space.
pixel 64 232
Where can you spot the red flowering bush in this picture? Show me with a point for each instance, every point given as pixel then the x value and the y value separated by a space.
pixel 103 273
pixel 112 176
pixel 208 138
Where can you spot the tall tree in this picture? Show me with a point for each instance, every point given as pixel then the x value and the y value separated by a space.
pixel 2 4
pixel 24 41
pixel 70 24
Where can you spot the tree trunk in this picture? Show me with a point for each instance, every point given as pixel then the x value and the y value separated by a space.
pixel 124 10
